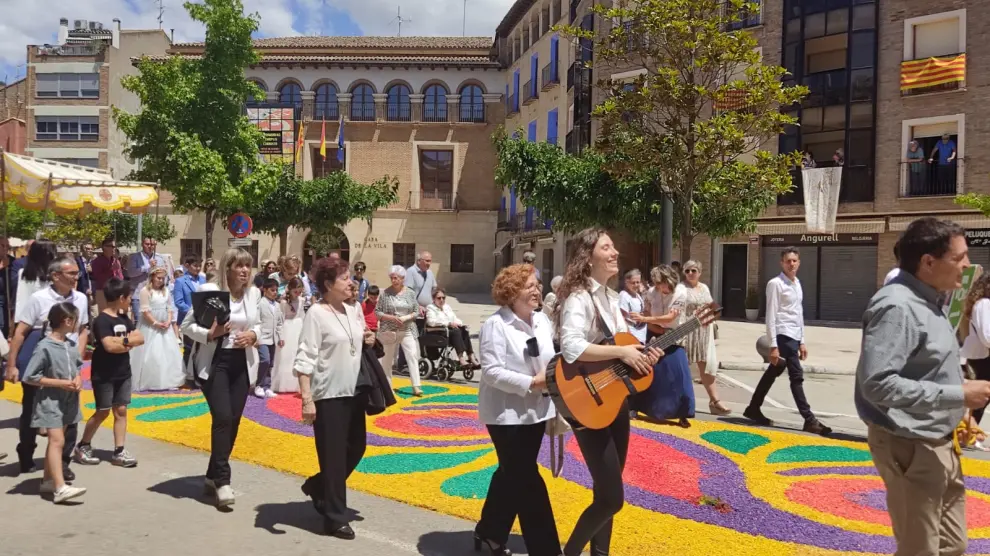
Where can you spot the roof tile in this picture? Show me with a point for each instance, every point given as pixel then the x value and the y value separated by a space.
pixel 365 42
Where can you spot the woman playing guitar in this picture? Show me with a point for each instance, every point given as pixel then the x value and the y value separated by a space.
pixel 588 305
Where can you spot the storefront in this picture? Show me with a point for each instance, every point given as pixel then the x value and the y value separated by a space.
pixel 838 272
pixel 979 247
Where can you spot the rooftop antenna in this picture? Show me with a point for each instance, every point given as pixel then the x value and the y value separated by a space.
pixel 161 12
pixel 401 20
pixel 464 21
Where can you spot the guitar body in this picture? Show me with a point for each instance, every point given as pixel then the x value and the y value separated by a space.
pixel 590 393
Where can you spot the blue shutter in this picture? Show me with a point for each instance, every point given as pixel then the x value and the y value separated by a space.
pixel 515 90
pixel 512 202
pixel 534 71
pixel 529 218
pixel 507 107
pixel 531 135
pixel 501 207
pixel 554 48
pixel 552 127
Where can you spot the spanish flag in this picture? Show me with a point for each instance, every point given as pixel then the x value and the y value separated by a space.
pixel 323 140
pixel 927 72
pixel 300 141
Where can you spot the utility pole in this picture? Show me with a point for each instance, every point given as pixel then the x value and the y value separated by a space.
pixel 464 21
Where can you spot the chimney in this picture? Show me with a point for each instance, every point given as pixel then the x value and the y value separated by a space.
pixel 115 33
pixel 63 30
pixel 171 36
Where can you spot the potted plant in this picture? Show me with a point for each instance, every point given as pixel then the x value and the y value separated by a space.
pixel 752 304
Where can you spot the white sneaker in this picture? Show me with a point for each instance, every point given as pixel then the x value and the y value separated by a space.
pixel 225 496
pixel 270 394
pixel 67 493
pixel 47 487
pixel 259 392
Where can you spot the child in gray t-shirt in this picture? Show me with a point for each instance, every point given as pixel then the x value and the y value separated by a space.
pixel 55 369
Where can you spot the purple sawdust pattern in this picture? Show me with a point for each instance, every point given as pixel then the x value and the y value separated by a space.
pixel 468 407
pixel 874 499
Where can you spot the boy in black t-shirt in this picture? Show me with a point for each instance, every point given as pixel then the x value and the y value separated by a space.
pixel 114 336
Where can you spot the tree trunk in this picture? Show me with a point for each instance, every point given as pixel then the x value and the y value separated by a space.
pixel 685 237
pixel 283 242
pixel 211 217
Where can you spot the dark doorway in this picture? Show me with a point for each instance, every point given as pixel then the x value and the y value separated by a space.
pixel 734 276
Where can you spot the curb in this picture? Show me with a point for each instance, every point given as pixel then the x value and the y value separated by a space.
pixel 760 367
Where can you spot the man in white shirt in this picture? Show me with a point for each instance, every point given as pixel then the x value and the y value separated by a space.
pixel 785 328
pixel 631 304
pixel 897 268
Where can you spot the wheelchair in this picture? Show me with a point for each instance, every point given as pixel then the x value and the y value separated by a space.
pixel 437 351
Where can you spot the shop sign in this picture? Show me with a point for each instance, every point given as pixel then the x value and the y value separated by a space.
pixel 821 239
pixel 978 238
pixel 271 142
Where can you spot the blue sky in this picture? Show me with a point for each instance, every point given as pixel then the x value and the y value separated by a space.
pixel 36 21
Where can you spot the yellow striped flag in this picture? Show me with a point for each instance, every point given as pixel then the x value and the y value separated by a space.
pixel 301 141
pixel 323 140
pixel 928 72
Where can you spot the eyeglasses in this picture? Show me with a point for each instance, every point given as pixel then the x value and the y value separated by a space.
pixel 691 271
pixel 440 298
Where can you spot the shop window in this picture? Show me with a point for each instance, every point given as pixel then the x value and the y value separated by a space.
pixel 404 254
pixel 461 257
pixel 190 247
pixel 324 167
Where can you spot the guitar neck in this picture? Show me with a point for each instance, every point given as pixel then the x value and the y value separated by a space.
pixel 675 335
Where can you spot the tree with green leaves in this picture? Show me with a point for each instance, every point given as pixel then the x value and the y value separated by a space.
pixel 191 134
pixel 689 128
pixel 324 205
pixel 72 230
pixel 22 223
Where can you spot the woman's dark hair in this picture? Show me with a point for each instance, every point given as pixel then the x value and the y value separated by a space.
pixel 116 288
pixel 926 236
pixel 60 312
pixel 293 283
pixel 373 290
pixel 327 270
pixel 438 289
pixel 577 274
pixel 39 257
pixel 269 284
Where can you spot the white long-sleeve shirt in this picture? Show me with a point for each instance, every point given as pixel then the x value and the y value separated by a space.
pixel 785 314
pixel 978 335
pixel 437 316
pixel 505 395
pixel 578 323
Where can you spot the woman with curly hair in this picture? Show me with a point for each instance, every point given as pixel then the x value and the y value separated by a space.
pixel 589 316
pixel 975 327
pixel 516 346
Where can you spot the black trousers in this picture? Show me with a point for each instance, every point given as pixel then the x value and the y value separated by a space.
pixel 226 393
pixel 604 452
pixel 981 367
pixel 790 356
pixel 341 437
pixel 460 339
pixel 29 436
pixel 517 489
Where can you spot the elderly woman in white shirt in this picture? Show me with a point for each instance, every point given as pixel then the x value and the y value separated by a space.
pixel 516 345
pixel 328 364
pixel 440 315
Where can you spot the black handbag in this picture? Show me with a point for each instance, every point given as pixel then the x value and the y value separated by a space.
pixel 210 307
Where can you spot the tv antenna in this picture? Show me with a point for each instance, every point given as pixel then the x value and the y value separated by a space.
pixel 161 12
pixel 401 20
pixel 464 21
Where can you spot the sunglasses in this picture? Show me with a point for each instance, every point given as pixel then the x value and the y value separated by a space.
pixel 691 271
pixel 440 298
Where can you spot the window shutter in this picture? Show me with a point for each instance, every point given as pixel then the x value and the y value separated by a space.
pixel 534 70
pixel 531 135
pixel 552 127
pixel 515 90
pixel 554 49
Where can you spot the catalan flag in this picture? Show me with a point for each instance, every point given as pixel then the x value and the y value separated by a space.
pixel 323 140
pixel 300 141
pixel 927 72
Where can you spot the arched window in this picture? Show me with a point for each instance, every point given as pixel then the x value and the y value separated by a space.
pixel 472 104
pixel 435 104
pixel 399 108
pixel 326 103
pixel 290 93
pixel 251 101
pixel 363 104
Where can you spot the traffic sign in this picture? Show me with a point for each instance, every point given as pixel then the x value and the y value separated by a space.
pixel 240 225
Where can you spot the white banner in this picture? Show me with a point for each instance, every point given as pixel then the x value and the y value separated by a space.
pixel 821 198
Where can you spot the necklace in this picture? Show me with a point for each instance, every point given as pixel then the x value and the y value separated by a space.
pixel 347 329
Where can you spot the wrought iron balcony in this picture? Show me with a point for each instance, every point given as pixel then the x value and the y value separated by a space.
pixel 549 77
pixel 921 179
pixel 529 95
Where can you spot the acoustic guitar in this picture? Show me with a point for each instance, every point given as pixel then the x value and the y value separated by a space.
pixel 592 393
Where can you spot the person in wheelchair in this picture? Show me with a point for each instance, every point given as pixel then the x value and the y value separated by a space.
pixel 440 315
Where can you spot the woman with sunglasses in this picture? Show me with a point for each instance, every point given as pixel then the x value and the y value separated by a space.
pixel 440 315
pixel 700 344
pixel 516 346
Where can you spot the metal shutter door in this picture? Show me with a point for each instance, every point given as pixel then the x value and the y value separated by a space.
pixel 848 281
pixel 807 274
pixel 980 256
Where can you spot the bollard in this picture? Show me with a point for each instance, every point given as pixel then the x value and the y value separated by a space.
pixel 763 347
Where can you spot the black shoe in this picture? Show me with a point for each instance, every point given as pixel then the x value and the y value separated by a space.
pixel 755 415
pixel 27 467
pixel 67 474
pixel 341 531
pixel 815 426
pixel 318 504
pixel 495 549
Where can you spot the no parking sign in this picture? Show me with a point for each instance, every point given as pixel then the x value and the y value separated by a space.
pixel 240 225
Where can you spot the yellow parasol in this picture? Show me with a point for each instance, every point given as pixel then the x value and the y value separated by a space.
pixel 39 184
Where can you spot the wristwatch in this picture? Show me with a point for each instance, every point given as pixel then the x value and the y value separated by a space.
pixel 127 341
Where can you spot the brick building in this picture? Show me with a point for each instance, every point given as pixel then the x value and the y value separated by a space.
pixel 421 109
pixel 13 116
pixel 71 86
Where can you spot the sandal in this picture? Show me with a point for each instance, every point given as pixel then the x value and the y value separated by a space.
pixel 715 407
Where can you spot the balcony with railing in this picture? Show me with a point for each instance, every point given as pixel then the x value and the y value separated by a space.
pixel 435 112
pixel 399 112
pixel 362 111
pixel 921 179
pixel 530 93
pixel 549 76
pixel 744 18
pixel 472 113
pixel 432 200
pixel 87 49
pixel 326 111
pixel 933 75
pixel 578 74
pixel 513 105
pixel 857 186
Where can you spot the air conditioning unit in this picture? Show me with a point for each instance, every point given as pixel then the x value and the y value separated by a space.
pixel 80 24
pixel 95 26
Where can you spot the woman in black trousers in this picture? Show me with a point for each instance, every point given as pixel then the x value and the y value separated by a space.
pixel 225 364
pixel 516 345
pixel 589 315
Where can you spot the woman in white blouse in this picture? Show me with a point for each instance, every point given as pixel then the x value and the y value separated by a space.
pixel 440 315
pixel 975 326
pixel 34 275
pixel 328 364
pixel 225 362
pixel 587 305
pixel 516 345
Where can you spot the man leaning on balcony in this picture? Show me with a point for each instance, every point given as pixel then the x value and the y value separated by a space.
pixel 946 152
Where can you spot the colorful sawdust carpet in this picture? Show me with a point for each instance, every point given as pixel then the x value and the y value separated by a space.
pixel 715 488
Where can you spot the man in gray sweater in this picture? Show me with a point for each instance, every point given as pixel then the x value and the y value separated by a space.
pixel 911 394
pixel 420 278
